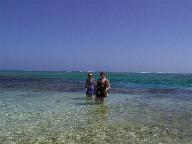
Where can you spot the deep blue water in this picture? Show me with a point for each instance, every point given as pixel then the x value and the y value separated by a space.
pixel 120 80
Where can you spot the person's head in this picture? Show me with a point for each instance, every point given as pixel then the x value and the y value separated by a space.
pixel 102 74
pixel 90 75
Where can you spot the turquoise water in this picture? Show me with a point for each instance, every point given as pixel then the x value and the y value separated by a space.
pixel 50 107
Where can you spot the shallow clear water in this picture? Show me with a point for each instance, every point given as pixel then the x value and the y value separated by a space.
pixel 43 110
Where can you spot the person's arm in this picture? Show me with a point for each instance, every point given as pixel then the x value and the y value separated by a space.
pixel 95 83
pixel 108 85
pixel 95 86
pixel 86 85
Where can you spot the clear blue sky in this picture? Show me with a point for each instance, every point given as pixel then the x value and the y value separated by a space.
pixel 110 35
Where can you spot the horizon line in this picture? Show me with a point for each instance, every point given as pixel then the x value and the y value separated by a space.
pixel 84 71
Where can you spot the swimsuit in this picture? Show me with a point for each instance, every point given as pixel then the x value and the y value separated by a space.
pixel 90 88
pixel 101 88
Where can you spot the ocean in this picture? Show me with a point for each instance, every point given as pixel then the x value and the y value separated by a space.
pixel 51 107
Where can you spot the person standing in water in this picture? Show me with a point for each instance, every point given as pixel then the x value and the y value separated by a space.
pixel 102 88
pixel 90 85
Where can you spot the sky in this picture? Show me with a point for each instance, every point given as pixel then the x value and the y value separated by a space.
pixel 109 35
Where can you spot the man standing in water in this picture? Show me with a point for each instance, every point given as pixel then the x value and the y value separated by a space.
pixel 102 88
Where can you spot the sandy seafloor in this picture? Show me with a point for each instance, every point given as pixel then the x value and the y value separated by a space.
pixel 69 117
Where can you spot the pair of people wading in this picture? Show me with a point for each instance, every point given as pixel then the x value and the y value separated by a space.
pixel 99 88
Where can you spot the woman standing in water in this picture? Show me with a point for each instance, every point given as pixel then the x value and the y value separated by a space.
pixel 102 88
pixel 90 85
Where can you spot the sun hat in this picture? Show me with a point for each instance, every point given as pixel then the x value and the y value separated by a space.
pixel 90 74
